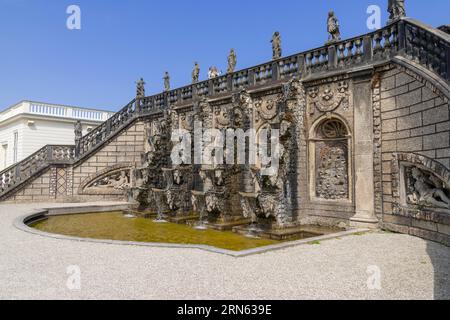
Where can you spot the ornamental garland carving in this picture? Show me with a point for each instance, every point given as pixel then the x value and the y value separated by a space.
pixel 329 97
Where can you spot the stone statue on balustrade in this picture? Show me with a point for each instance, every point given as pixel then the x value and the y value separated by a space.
pixel 78 135
pixel 396 9
pixel 140 89
pixel 166 81
pixel 213 72
pixel 427 190
pixel 333 28
pixel 195 73
pixel 276 46
pixel 232 60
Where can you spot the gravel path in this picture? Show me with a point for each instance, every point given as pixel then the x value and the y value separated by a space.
pixel 35 267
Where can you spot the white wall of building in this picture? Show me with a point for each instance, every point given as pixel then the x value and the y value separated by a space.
pixel 7 143
pixel 40 124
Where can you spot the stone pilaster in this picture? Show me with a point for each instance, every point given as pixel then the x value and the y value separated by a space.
pixel 363 155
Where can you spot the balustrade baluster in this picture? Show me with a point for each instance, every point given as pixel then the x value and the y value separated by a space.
pixel 387 42
pixel 358 52
pixel 341 56
pixel 377 48
pixel 349 48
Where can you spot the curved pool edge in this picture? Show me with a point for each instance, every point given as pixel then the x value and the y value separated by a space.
pixel 21 224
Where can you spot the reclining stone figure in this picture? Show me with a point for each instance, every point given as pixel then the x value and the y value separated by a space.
pixel 425 193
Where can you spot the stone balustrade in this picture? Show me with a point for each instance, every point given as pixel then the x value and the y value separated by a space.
pixel 407 38
pixel 404 37
pixel 15 175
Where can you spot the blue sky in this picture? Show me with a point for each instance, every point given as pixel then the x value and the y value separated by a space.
pixel 120 41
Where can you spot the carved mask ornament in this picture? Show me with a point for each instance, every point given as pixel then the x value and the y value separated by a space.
pixel 222 117
pixel 266 109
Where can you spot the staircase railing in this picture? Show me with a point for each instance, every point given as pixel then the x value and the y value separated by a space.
pixel 407 37
pixel 15 175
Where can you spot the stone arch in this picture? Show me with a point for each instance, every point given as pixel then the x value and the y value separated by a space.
pixel 320 120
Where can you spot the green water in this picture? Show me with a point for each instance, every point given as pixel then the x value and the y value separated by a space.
pixel 114 226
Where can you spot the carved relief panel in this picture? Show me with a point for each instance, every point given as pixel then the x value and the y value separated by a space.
pixel 267 110
pixel 110 181
pixel 424 189
pixel 330 170
pixel 329 97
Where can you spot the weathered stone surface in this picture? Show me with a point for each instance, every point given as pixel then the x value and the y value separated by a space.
pixel 402 79
pixel 436 141
pixel 435 115
pixel 389 125
pixel 421 131
pixel 408 122
pixel 410 145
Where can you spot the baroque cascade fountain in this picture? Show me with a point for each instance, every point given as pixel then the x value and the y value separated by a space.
pixel 225 196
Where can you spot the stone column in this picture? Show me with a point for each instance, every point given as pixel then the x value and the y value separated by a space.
pixel 363 155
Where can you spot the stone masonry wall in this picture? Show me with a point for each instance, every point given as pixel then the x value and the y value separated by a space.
pixel 62 184
pixel 414 120
pixel 37 191
pixel 126 148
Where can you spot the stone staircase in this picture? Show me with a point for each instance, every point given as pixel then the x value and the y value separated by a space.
pixel 405 41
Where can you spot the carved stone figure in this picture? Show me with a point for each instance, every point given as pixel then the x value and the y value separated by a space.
pixel 166 81
pixel 213 72
pixel 140 89
pixel 232 60
pixel 177 177
pixel 426 191
pixel 117 181
pixel 122 182
pixel 195 73
pixel 78 135
pixel 396 9
pixel 219 178
pixel 333 28
pixel 276 46
pixel 212 203
pixel 173 200
pixel 207 182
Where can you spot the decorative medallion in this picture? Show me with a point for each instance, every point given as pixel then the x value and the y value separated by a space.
pixel 329 97
pixel 266 109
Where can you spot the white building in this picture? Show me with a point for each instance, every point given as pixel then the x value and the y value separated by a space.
pixel 28 126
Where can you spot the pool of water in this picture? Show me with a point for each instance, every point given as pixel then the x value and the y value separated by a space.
pixel 115 226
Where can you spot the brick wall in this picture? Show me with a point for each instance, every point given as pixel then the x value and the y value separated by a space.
pixel 414 120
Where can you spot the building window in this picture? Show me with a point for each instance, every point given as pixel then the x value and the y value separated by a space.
pixel 15 146
pixel 3 156
pixel 330 161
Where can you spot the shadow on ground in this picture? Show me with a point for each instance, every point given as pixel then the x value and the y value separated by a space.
pixel 441 267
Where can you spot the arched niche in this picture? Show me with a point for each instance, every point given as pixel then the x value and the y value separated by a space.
pixel 330 160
